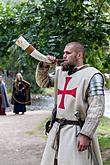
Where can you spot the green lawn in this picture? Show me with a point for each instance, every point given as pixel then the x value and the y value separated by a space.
pixel 107 162
pixel 104 133
pixel 104 136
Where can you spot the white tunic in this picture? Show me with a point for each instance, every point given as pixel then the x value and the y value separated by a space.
pixel 72 97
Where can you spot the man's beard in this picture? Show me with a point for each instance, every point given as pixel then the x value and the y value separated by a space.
pixel 67 67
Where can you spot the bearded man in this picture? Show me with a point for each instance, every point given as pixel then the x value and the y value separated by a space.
pixel 79 105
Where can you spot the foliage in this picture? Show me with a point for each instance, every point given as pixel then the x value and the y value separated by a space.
pixel 49 26
pixel 107 83
pixel 104 133
pixel 107 162
pixel 16 24
pixel 104 126
pixel 104 142
pixel 84 21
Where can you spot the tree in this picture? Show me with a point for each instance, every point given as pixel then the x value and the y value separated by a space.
pixel 14 22
pixel 49 26
pixel 85 21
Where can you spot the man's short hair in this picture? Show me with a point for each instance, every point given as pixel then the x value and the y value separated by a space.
pixel 78 47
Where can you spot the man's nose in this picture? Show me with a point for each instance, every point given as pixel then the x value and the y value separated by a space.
pixel 64 56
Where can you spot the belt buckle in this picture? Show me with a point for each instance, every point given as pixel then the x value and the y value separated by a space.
pixel 62 121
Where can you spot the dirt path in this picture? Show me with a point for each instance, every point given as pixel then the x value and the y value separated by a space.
pixel 17 145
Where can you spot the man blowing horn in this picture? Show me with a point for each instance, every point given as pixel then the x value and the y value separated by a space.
pixel 79 98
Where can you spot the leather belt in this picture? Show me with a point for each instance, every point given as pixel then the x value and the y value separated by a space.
pixel 64 121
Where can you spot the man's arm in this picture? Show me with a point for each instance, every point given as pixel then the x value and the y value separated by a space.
pixel 43 79
pixel 95 111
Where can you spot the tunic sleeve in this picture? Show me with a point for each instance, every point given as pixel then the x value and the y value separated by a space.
pixel 96 105
pixel 94 114
pixel 43 79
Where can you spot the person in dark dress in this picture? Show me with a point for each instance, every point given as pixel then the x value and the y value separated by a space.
pixel 20 94
pixel 4 103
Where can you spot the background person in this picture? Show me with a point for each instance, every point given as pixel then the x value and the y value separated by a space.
pixel 20 94
pixel 4 103
pixel 80 105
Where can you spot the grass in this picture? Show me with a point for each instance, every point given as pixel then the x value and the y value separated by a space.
pixel 49 91
pixel 39 130
pixel 103 131
pixel 104 126
pixel 107 162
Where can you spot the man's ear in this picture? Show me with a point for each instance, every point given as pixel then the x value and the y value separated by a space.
pixel 79 55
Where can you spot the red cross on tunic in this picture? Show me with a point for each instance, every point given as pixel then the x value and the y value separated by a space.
pixel 64 92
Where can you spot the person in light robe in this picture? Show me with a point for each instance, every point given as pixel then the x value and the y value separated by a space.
pixel 79 106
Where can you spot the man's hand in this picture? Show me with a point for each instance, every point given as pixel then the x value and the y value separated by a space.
pixel 48 61
pixel 83 142
pixel 52 59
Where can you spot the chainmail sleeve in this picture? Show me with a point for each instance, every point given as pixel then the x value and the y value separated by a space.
pixel 96 86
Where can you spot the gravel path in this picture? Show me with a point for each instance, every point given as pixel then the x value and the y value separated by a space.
pixel 18 145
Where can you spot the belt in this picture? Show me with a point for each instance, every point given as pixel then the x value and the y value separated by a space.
pixel 64 121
